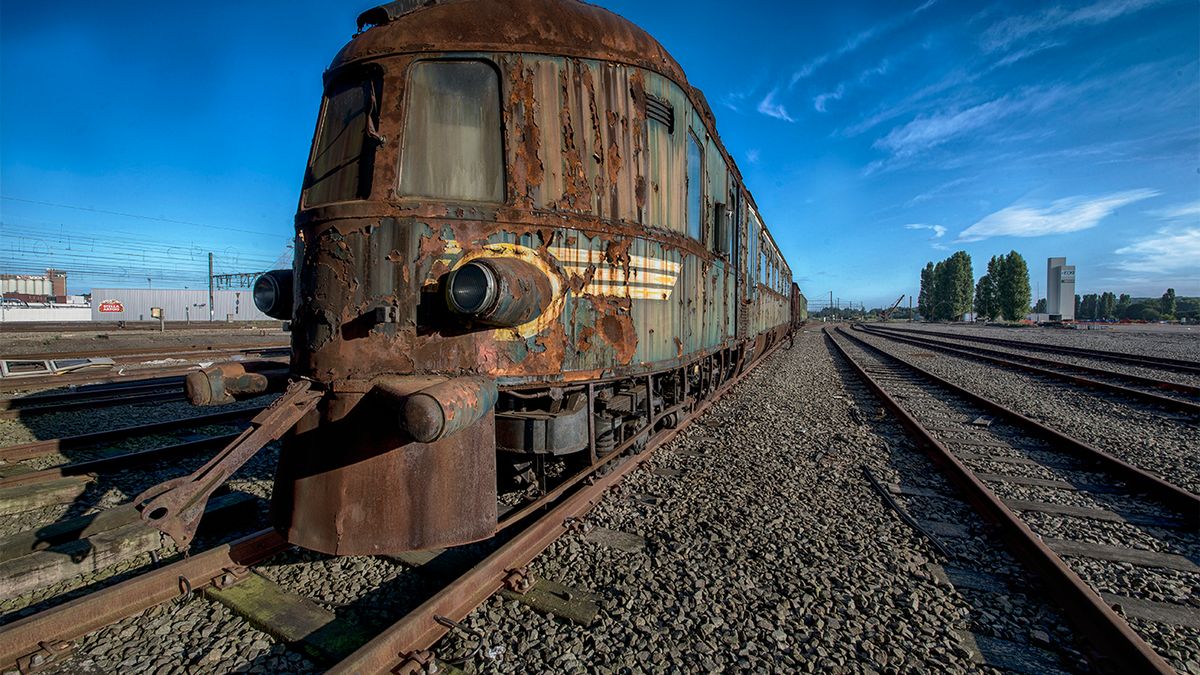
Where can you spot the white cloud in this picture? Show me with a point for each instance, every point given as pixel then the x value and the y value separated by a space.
pixel 753 155
pixel 770 108
pixel 1179 212
pixel 821 101
pixel 1023 54
pixel 1164 252
pixel 939 190
pixel 927 132
pixel 1064 215
pixel 857 41
pixel 1003 34
pixel 939 231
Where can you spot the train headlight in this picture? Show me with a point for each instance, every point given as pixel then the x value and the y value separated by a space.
pixel 504 292
pixel 273 294
pixel 471 289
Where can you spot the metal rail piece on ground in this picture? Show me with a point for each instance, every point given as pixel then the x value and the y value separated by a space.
pixel 1117 646
pixel 176 506
pixel 106 606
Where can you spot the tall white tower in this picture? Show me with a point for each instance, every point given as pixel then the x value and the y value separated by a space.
pixel 1060 290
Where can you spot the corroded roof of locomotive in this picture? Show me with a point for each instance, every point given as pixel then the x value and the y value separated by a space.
pixel 555 27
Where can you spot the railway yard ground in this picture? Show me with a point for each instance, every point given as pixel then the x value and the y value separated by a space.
pixel 795 526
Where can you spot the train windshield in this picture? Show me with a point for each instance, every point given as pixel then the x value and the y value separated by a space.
pixel 452 145
pixel 343 158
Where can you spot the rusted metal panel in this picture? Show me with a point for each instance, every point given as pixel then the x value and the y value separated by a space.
pixel 349 483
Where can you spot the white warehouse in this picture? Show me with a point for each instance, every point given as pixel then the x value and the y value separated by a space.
pixel 133 304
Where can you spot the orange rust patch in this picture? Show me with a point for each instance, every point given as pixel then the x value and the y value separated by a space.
pixel 617 254
pixel 527 172
pixel 585 339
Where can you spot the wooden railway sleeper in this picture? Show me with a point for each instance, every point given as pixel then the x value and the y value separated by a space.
pixel 176 506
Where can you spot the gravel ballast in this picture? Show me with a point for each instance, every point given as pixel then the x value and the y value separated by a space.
pixel 765 549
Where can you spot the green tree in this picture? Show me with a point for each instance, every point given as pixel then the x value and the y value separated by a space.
pixel 923 299
pixel 985 297
pixel 1123 304
pixel 1012 287
pixel 1090 309
pixel 1108 306
pixel 1040 308
pixel 1168 304
pixel 947 288
pixel 1078 306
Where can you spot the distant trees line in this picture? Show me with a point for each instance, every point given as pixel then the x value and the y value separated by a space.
pixel 1110 307
pixel 948 292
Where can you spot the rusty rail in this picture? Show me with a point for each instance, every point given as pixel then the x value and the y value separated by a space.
pixel 404 645
pixel 117 462
pixel 52 445
pixel 1026 363
pixel 88 402
pixel 1135 359
pixel 110 605
pixel 1187 503
pixel 1117 647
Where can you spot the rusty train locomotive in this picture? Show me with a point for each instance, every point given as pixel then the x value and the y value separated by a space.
pixel 521 249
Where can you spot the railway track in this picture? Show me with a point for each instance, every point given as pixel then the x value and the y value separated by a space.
pixel 1167 394
pixel 1054 499
pixel 129 366
pixel 405 646
pixel 1158 362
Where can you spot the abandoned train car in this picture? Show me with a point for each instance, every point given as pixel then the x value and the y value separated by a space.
pixel 521 249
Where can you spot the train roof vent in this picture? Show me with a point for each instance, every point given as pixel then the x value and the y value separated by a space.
pixel 391 11
pixel 661 111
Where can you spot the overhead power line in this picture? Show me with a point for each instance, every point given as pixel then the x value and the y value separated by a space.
pixel 138 216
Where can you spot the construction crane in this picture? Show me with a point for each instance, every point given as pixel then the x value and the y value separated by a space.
pixel 888 312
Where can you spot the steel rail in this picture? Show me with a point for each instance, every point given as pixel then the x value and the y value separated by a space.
pixel 120 601
pixel 123 388
pixel 1178 498
pixel 1154 361
pixel 1117 647
pixel 165 350
pixel 57 445
pixel 90 402
pixel 118 462
pixel 1026 363
pixel 106 377
pixel 407 641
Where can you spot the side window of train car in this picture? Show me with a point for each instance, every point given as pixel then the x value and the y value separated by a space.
pixel 452 133
pixel 695 186
pixel 343 158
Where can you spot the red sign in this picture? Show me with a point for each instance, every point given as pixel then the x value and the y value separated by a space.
pixel 111 306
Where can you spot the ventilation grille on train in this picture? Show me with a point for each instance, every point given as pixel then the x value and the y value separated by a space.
pixel 660 111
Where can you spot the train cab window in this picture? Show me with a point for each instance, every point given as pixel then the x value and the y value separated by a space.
pixel 452 146
pixel 343 158
pixel 695 188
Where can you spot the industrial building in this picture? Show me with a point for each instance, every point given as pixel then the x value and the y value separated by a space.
pixel 1060 290
pixel 134 304
pixel 50 287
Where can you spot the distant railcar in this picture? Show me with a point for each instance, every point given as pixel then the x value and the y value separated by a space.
pixel 521 248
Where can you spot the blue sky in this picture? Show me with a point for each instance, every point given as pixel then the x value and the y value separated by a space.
pixel 135 137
